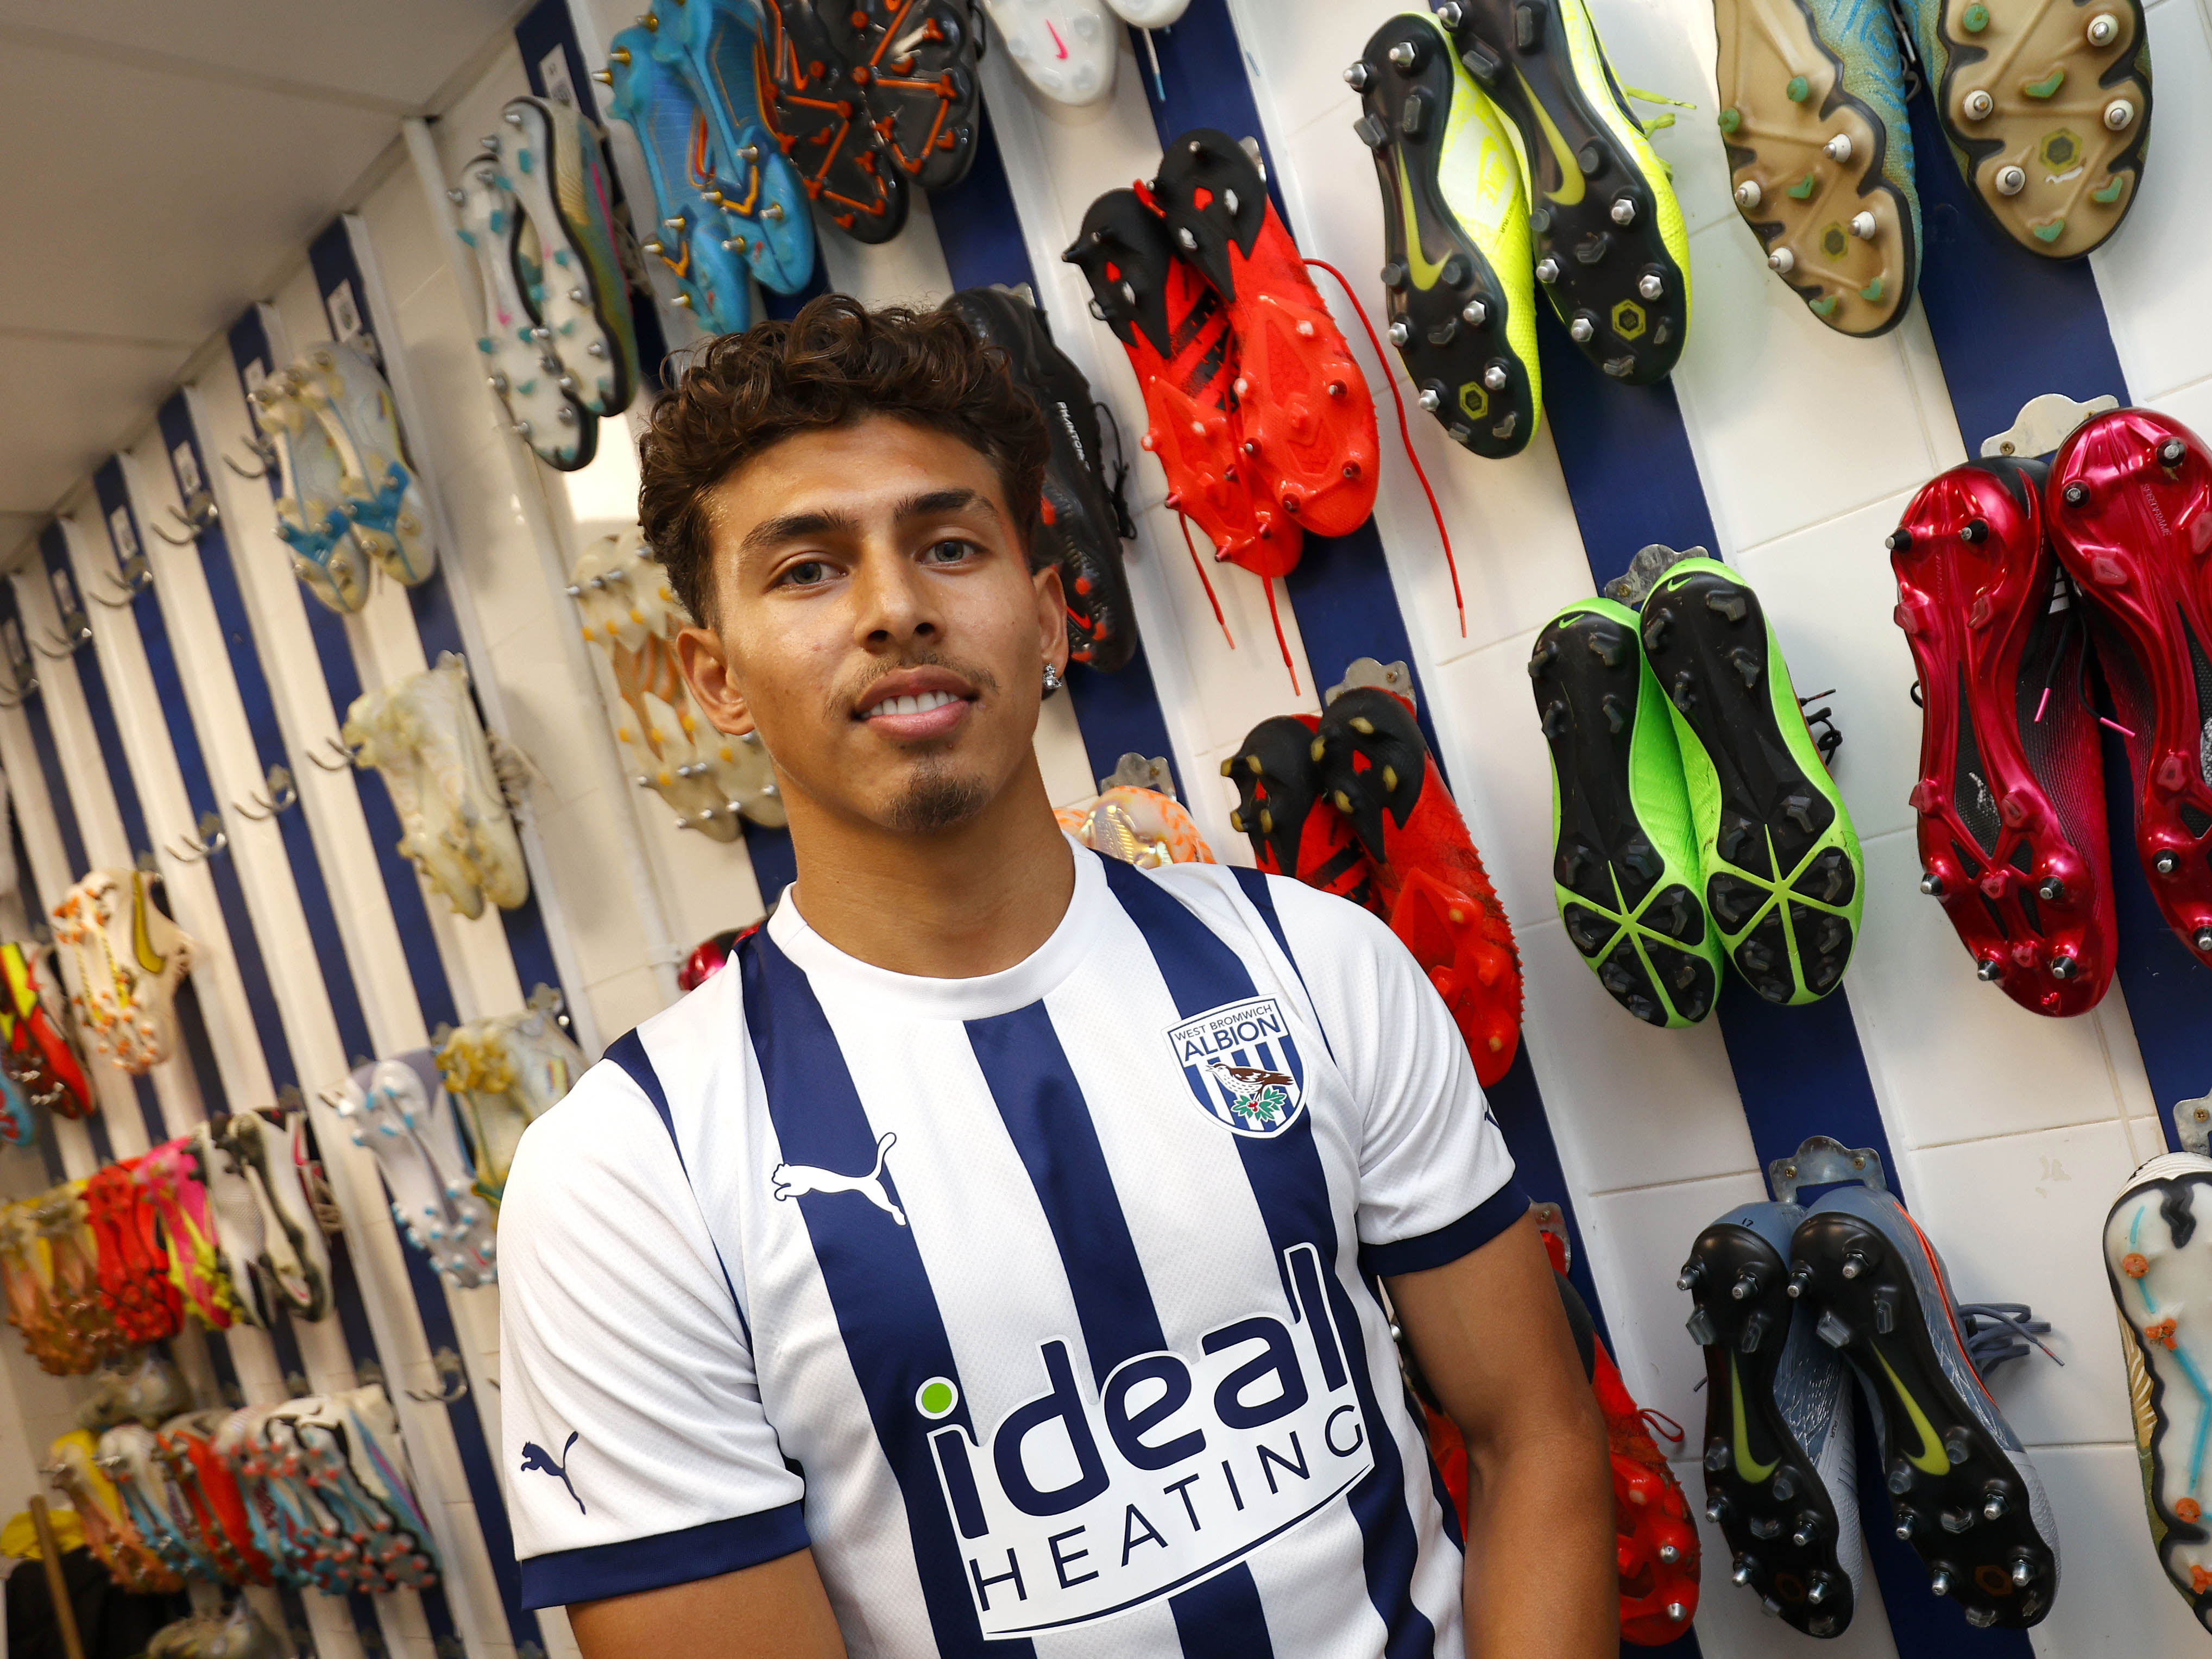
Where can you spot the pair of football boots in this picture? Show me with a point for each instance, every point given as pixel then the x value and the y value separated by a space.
pixel 1793 1303
pixel 559 344
pixel 1082 516
pixel 2046 110
pixel 1509 161
pixel 1692 814
pixel 2011 575
pixel 1257 412
pixel 1351 801
pixel 38 1040
pixel 728 206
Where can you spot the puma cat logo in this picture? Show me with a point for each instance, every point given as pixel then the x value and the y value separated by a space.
pixel 792 1179
pixel 536 1460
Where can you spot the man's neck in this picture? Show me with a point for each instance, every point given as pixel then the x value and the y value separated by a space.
pixel 957 904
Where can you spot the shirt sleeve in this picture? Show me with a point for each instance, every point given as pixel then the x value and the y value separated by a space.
pixel 636 1453
pixel 1436 1180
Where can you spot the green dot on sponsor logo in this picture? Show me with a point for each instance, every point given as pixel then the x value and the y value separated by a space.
pixel 936 1398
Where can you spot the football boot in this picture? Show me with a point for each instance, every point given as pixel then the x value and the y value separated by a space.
pixel 1779 861
pixel 35 1025
pixel 2128 504
pixel 1820 152
pixel 2047 110
pixel 1612 250
pixel 715 46
pixel 2158 1255
pixel 1779 1478
pixel 820 121
pixel 1278 791
pixel 914 62
pixel 1624 869
pixel 571 278
pixel 1307 418
pixel 1656 1541
pixel 2011 788
pixel 1067 49
pixel 1963 1493
pixel 1176 330
pixel 1456 260
pixel 692 236
pixel 1078 523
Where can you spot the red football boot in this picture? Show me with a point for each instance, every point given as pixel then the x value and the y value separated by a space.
pixel 1277 789
pixel 1655 1542
pixel 1177 334
pixel 133 1268
pixel 1376 771
pixel 2130 508
pixel 1451 936
pixel 2011 790
pixel 1308 418
pixel 33 1020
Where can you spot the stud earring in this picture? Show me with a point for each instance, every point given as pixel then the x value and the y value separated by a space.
pixel 1052 679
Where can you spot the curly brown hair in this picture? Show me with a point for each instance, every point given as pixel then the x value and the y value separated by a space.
pixel 833 364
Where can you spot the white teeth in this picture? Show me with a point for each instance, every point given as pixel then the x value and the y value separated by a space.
pixel 914 705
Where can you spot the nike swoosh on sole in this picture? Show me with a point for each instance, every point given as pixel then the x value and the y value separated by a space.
pixel 1572 184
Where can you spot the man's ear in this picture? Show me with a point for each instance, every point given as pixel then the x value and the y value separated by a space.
pixel 1052 616
pixel 705 665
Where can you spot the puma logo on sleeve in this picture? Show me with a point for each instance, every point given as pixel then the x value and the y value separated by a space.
pixel 536 1460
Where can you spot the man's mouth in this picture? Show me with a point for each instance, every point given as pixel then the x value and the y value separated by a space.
pixel 916 705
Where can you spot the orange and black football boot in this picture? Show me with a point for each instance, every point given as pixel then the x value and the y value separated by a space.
pixel 1654 1541
pixel 821 119
pixel 1309 419
pixel 2128 504
pixel 914 63
pixel 1178 335
pixel 2011 791
pixel 1278 791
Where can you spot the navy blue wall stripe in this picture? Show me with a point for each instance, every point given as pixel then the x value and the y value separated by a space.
pixel 1978 288
pixel 191 1022
pixel 260 709
pixel 332 257
pixel 1292 1188
pixel 887 1314
pixel 1048 1121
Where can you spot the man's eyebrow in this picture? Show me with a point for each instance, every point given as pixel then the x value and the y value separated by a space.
pixel 795 526
pixel 943 501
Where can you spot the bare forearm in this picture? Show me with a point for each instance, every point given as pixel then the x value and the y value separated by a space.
pixel 1540 1576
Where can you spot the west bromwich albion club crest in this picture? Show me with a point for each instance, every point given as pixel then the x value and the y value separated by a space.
pixel 1242 1067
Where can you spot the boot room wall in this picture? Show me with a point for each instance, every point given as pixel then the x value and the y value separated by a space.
pixel 1787 450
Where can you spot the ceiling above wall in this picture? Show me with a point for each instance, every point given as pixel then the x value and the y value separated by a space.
pixel 163 162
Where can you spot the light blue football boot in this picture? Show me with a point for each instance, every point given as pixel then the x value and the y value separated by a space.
pixel 1778 1439
pixel 1962 1492
pixel 1820 152
pixel 694 240
pixel 715 44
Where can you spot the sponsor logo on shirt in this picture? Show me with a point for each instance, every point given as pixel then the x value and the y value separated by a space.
pixel 1084 1502
pixel 1242 1067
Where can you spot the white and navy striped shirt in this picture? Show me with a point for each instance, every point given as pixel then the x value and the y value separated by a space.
pixel 1039 1304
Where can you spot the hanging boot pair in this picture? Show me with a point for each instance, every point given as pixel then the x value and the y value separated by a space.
pixel 2009 572
pixel 2045 109
pixel 1692 814
pixel 1351 801
pixel 1792 1304
pixel 1258 414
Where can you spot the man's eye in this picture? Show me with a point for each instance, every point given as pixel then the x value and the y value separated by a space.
pixel 949 552
pixel 806 574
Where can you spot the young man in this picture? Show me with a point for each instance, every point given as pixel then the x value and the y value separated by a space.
pixel 913 1288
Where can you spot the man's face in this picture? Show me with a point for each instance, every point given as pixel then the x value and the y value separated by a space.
pixel 877 623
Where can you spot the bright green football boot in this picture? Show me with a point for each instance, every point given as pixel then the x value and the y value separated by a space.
pixel 1782 875
pixel 1625 853
pixel 1456 260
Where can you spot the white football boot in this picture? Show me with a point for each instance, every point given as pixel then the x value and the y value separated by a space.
pixel 397 1110
pixel 379 489
pixel 130 959
pixel 1067 48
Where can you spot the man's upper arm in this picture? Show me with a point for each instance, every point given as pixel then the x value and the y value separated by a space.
pixel 637 1455
pixel 1435 1178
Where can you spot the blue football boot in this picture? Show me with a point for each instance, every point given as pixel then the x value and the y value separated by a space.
pixel 1964 1494
pixel 1778 1440
pixel 1820 152
pixel 694 240
pixel 715 44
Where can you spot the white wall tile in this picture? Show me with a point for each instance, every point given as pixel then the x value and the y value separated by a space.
pixel 2113 1599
